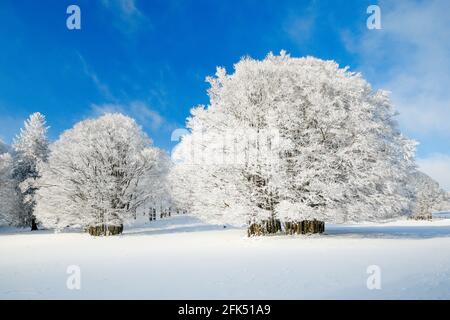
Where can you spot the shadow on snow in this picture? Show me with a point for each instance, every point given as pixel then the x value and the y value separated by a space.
pixel 189 224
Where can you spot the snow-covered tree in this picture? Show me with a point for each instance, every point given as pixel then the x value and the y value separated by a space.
pixel 293 139
pixel 98 174
pixel 445 205
pixel 31 147
pixel 9 201
pixel 426 195
pixel 157 185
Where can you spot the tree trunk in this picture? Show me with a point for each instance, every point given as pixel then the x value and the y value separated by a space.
pixel 104 230
pixel 33 224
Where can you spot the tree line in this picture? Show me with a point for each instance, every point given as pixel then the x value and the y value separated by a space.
pixel 285 144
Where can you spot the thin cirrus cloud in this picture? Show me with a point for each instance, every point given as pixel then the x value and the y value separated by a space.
pixel 300 27
pixel 9 127
pixel 437 166
pixel 102 87
pixel 138 110
pixel 128 17
pixel 410 56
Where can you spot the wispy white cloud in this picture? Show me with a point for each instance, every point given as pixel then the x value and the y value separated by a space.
pixel 128 17
pixel 4 148
pixel 102 87
pixel 300 27
pixel 138 110
pixel 9 127
pixel 410 56
pixel 437 166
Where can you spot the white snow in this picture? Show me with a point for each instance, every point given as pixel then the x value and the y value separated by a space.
pixel 182 258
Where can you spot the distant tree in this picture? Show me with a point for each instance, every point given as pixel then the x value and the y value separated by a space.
pixel 156 184
pixel 426 195
pixel 293 139
pixel 9 200
pixel 445 206
pixel 31 147
pixel 98 174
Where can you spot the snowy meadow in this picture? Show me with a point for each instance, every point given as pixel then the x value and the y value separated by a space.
pixel 183 258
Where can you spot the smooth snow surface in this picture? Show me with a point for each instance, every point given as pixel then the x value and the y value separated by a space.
pixel 182 258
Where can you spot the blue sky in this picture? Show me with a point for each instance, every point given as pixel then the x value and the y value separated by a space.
pixel 149 59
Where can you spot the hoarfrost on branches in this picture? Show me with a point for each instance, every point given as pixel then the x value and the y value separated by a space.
pixel 31 148
pixel 99 173
pixel 292 139
pixel 9 200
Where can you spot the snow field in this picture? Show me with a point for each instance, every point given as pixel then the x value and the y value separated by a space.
pixel 182 258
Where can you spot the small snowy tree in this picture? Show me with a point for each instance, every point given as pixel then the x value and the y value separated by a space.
pixel 98 174
pixel 9 201
pixel 31 147
pixel 445 205
pixel 292 139
pixel 426 195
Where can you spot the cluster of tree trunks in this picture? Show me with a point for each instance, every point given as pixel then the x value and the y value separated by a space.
pixel 273 226
pixel 166 213
pixel 428 216
pixel 105 230
pixel 163 213
pixel 305 227
pixel 270 226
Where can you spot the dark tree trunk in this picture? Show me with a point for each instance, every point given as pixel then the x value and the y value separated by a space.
pixel 33 224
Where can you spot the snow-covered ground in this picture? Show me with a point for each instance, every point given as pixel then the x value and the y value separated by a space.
pixel 182 258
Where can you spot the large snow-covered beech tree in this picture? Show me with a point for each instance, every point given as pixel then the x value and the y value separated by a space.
pixel 98 174
pixel 31 148
pixel 9 200
pixel 290 140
